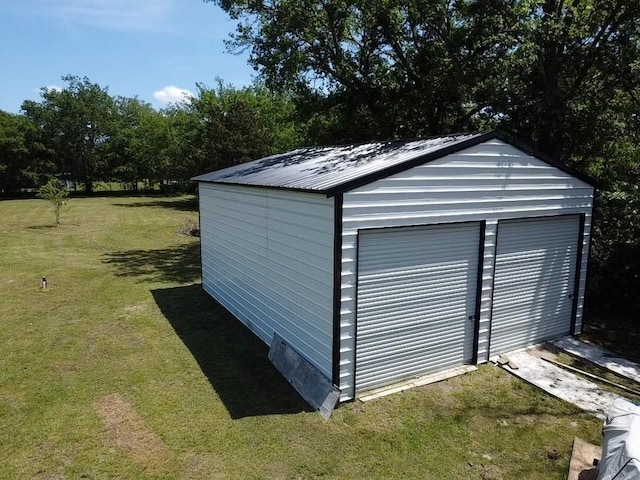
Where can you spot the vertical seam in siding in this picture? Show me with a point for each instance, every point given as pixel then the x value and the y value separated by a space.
pixel 576 279
pixel 592 221
pixel 337 286
pixel 476 323
pixel 493 287
pixel 200 235
pixel 355 314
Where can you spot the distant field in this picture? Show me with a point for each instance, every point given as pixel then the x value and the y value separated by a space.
pixel 124 368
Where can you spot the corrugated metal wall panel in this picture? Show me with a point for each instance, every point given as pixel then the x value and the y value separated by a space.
pixel 533 281
pixel 267 256
pixel 512 184
pixel 416 290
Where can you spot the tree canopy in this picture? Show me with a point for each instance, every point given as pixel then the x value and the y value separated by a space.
pixel 542 70
pixel 76 123
pixel 82 134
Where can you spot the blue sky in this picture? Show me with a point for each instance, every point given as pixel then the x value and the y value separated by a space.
pixel 154 49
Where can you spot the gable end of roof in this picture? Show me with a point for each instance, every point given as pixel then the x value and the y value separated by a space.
pixel 335 187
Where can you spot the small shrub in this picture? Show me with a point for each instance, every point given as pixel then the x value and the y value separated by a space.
pixel 56 194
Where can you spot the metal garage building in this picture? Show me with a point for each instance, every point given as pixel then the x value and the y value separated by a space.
pixel 385 261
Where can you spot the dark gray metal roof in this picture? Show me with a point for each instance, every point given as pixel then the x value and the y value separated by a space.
pixel 336 169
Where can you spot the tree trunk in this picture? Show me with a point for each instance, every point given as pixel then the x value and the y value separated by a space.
pixel 88 186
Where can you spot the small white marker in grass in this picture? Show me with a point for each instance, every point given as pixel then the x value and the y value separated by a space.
pixel 44 282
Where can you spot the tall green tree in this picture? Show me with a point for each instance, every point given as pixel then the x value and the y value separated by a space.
pixel 24 161
pixel 541 69
pixel 571 62
pixel 77 123
pixel 136 146
pixel 237 125
pixel 384 68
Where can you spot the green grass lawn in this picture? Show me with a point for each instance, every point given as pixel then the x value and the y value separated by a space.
pixel 125 368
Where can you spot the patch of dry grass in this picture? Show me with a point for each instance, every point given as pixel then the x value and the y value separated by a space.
pixel 128 432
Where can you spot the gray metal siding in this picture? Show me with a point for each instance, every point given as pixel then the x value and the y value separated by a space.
pixel 416 292
pixel 267 256
pixel 491 181
pixel 533 281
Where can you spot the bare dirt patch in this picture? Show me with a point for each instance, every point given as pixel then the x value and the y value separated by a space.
pixel 128 431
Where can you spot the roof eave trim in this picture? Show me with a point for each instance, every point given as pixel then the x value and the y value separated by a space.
pixel 317 191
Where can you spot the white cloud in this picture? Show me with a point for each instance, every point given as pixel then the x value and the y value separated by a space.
pixel 54 88
pixel 113 14
pixel 172 94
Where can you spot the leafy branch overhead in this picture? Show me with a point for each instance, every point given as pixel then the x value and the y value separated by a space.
pixel 543 70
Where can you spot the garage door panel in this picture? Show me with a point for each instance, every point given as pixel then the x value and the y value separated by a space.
pixel 529 279
pixel 415 277
pixel 527 265
pixel 533 281
pixel 408 356
pixel 407 312
pixel 416 290
pixel 412 334
pixel 407 320
pixel 409 369
pixel 396 301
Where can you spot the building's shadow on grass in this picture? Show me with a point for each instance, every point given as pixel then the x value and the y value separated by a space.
pixel 179 264
pixel 183 205
pixel 233 358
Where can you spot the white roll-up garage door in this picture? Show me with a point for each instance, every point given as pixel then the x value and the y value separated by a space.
pixel 416 301
pixel 534 281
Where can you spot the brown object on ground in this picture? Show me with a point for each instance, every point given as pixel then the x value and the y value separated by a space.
pixel 129 432
pixel 491 472
pixel 582 457
pixel 502 360
pixel 553 454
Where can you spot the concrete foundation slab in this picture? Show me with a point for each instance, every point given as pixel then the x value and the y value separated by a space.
pixel 623 367
pixel 562 384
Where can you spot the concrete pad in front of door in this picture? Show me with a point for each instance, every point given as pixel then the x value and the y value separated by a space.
pixel 562 384
pixel 623 367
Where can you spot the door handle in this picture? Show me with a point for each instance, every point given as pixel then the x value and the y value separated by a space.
pixel 472 317
pixel 570 295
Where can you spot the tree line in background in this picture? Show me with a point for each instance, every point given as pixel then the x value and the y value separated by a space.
pixel 83 135
pixel 561 75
